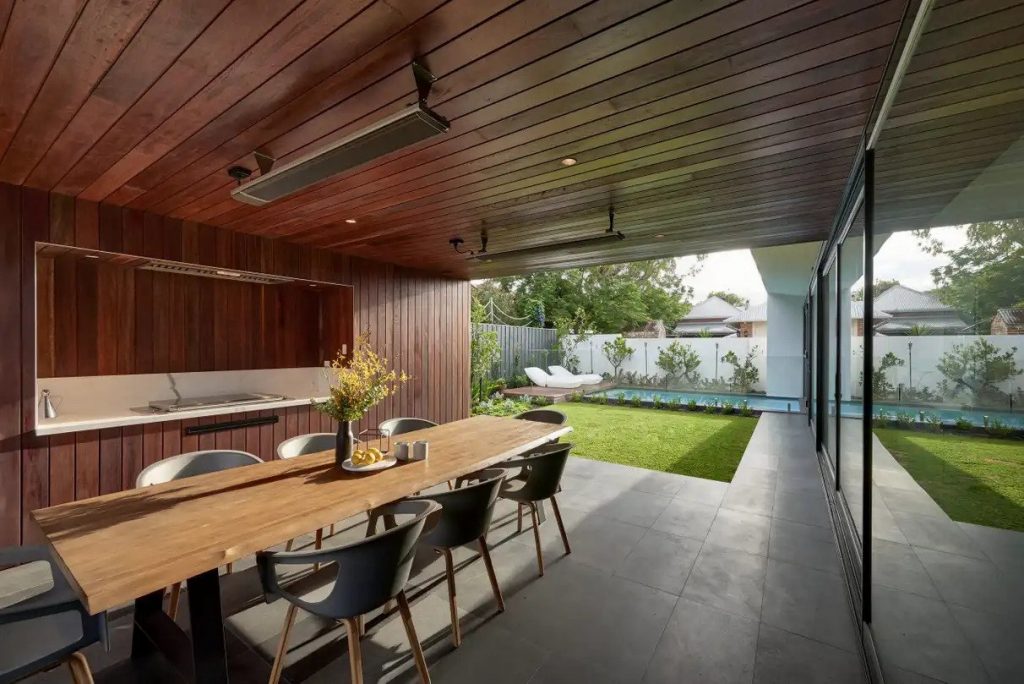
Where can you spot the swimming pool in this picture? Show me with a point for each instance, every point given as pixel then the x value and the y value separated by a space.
pixel 850 409
pixel 758 402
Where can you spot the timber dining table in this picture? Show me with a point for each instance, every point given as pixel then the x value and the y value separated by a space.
pixel 131 545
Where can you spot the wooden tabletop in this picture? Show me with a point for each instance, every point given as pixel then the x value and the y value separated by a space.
pixel 120 546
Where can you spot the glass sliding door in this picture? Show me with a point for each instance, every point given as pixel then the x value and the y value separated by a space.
pixel 947 250
pixel 829 350
pixel 850 360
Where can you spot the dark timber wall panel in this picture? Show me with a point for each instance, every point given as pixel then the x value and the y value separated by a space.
pixel 419 321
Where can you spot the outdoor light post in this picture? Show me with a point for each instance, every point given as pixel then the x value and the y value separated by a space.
pixel 910 364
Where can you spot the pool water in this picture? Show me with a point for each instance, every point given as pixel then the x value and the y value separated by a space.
pixel 850 409
pixel 758 402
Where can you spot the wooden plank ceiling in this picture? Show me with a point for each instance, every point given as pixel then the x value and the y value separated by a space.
pixel 708 125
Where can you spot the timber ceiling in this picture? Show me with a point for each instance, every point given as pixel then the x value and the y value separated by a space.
pixel 709 125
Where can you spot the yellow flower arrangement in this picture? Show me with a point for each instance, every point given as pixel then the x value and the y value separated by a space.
pixel 360 383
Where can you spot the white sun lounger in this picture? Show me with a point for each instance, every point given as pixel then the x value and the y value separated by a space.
pixel 540 378
pixel 563 373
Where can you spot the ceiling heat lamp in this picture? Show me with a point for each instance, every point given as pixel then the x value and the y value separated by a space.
pixel 609 235
pixel 412 125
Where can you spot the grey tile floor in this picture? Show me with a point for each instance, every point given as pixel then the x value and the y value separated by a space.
pixel 671 579
pixel 948 597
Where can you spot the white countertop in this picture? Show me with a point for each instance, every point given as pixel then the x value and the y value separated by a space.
pixel 98 402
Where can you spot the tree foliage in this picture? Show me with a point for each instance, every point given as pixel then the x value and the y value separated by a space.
pixel 744 373
pixel 484 352
pixel 614 298
pixel 617 352
pixel 572 331
pixel 680 362
pixel 731 297
pixel 977 369
pixel 986 273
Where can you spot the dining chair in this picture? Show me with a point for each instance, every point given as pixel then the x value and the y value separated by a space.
pixel 42 623
pixel 188 465
pixel 399 426
pixel 538 481
pixel 466 514
pixel 369 573
pixel 300 446
pixel 544 415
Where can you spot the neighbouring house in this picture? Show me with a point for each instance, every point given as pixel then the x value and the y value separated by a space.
pixel 707 319
pixel 751 322
pixel 650 330
pixel 913 313
pixel 1009 321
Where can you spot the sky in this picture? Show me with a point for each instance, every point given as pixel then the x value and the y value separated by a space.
pixel 900 258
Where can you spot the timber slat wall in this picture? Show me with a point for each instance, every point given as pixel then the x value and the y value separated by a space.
pixel 253 325
pixel 419 321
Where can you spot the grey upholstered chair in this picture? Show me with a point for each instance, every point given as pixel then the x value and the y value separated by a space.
pixel 544 415
pixel 370 573
pixel 42 622
pixel 307 444
pixel 400 426
pixel 538 481
pixel 465 517
pixel 301 445
pixel 189 465
pixel 194 463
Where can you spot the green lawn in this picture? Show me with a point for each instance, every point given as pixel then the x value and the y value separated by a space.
pixel 697 444
pixel 974 479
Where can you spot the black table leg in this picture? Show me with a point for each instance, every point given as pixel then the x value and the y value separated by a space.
pixel 207 624
pixel 200 659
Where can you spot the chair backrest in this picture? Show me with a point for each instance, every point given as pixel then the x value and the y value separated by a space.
pixel 465 512
pixel 537 376
pixel 544 415
pixel 544 472
pixel 41 619
pixel 370 571
pixel 194 463
pixel 399 426
pixel 306 444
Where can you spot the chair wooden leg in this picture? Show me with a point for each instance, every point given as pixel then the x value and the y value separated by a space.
pixel 355 651
pixel 536 537
pixel 519 529
pixel 561 526
pixel 79 668
pixel 230 567
pixel 317 545
pixel 282 646
pixel 288 546
pixel 486 554
pixel 449 571
pixel 172 602
pixel 331 533
pixel 414 642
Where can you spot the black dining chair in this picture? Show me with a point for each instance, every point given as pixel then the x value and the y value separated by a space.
pixel 42 622
pixel 544 415
pixel 369 573
pixel 538 481
pixel 466 514
pixel 189 465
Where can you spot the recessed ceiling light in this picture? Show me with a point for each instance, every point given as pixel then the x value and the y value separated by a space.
pixel 568 161
pixel 350 220
pixel 659 235
pixel 92 256
pixel 229 274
